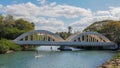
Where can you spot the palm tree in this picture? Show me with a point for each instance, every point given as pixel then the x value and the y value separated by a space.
pixel 69 30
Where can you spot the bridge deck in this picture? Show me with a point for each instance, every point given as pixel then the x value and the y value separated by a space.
pixel 45 43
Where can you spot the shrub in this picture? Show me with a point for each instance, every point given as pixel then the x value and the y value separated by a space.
pixel 6 45
pixel 3 48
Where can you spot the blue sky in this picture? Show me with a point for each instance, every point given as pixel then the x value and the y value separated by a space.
pixel 57 15
pixel 90 4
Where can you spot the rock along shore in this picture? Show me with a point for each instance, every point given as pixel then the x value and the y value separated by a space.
pixel 115 63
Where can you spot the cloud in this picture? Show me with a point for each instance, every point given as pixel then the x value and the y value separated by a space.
pixel 52 29
pixel 27 9
pixel 82 23
pixel 53 4
pixel 112 14
pixel 102 13
pixel 1 7
pixel 71 11
pixel 115 11
pixel 42 2
pixel 48 16
pixel 50 10
pixel 49 22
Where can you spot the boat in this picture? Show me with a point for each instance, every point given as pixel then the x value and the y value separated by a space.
pixel 37 56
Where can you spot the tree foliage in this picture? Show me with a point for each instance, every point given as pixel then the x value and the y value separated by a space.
pixel 69 30
pixel 109 28
pixel 10 28
pixel 63 35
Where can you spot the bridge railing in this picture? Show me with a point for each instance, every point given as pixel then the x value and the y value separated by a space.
pixel 47 43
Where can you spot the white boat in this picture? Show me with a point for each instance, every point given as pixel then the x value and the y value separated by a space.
pixel 37 56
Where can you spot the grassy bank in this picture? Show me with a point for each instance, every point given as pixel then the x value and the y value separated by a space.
pixel 6 45
pixel 116 56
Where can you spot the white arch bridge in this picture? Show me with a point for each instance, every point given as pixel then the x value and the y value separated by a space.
pixel 82 40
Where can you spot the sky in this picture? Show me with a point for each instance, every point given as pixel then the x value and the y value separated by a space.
pixel 57 15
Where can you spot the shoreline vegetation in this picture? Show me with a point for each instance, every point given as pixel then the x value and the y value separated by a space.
pixel 11 28
pixel 7 46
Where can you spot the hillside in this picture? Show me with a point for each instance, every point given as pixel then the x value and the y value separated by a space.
pixel 109 28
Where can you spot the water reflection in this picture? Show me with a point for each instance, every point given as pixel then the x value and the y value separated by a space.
pixel 48 48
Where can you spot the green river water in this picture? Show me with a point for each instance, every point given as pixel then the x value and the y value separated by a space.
pixel 55 59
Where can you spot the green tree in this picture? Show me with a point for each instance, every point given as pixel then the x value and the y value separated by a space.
pixel 23 25
pixel 1 19
pixel 63 35
pixel 112 31
pixel 11 28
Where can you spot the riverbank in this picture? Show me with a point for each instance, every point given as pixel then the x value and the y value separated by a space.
pixel 6 46
pixel 112 63
pixel 10 51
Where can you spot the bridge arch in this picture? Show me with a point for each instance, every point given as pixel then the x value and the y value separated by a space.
pixel 39 35
pixel 88 37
